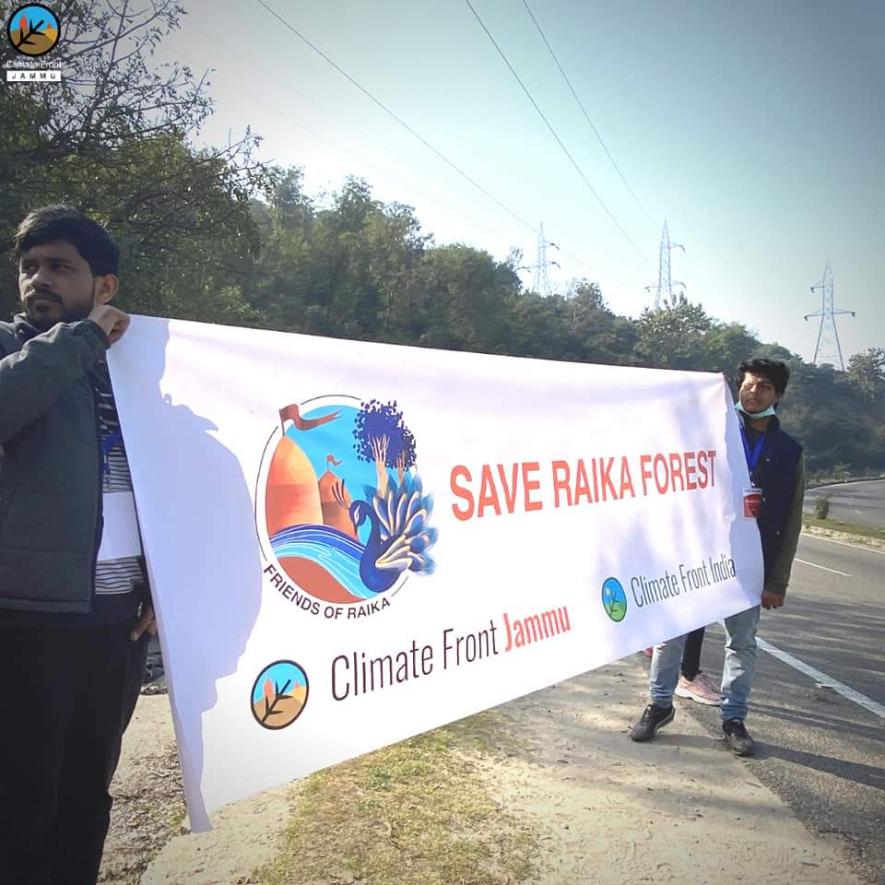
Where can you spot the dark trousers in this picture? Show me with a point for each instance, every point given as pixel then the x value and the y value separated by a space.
pixel 691 655
pixel 67 696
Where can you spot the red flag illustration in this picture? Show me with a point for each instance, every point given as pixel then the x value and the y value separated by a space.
pixel 292 414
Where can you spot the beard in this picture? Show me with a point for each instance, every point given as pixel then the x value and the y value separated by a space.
pixel 46 310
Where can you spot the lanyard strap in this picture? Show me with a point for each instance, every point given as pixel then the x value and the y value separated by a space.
pixel 108 443
pixel 758 446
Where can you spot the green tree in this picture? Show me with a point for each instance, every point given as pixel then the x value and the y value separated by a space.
pixel 462 298
pixel 673 337
pixel 114 139
pixel 726 345
pixel 597 334
pixel 867 371
pixel 339 270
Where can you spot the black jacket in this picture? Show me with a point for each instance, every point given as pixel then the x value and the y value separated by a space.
pixel 779 474
pixel 50 479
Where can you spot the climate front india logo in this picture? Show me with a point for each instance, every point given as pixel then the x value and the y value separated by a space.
pixel 344 512
pixel 614 599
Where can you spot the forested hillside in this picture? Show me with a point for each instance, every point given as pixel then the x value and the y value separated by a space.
pixel 216 236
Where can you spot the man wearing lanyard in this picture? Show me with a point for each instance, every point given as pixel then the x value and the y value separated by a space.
pixel 775 465
pixel 74 612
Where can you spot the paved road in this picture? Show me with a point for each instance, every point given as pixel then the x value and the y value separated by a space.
pixel 860 502
pixel 821 752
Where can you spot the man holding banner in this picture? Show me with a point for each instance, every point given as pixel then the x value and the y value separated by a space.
pixel 73 609
pixel 775 464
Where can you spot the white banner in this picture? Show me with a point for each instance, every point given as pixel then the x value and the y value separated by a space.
pixel 352 543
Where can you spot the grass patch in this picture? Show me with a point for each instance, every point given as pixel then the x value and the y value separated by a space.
pixel 417 811
pixel 837 525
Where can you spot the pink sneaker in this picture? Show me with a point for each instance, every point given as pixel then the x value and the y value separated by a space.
pixel 701 689
pixel 649 651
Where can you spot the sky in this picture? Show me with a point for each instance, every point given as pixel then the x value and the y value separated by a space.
pixel 755 129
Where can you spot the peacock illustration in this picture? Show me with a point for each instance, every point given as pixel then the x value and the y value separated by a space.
pixel 400 537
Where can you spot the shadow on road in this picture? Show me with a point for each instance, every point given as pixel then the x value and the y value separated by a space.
pixel 842 638
pixel 867 775
pixel 837 722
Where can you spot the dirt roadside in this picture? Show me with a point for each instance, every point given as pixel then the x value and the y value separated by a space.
pixel 845 537
pixel 681 809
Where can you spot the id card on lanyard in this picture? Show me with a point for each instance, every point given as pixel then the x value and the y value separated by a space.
pixel 120 538
pixel 752 495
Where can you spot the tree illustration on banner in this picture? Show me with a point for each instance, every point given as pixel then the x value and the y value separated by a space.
pixel 381 436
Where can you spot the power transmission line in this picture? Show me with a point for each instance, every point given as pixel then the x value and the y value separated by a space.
pixel 398 119
pixel 424 141
pixel 553 132
pixel 584 111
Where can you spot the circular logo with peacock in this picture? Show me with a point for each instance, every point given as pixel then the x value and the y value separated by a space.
pixel 340 502
pixel 33 29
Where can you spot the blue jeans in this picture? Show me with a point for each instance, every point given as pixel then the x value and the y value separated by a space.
pixel 737 674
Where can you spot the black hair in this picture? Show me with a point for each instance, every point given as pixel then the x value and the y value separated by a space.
pixel 776 371
pixel 52 224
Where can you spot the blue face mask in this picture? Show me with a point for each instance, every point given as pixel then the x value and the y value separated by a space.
pixel 755 416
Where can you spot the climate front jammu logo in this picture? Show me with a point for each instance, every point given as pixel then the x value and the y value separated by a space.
pixel 340 506
pixel 279 694
pixel 33 30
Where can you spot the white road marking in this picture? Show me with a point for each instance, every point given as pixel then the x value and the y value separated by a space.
pixel 822 678
pixel 808 535
pixel 815 565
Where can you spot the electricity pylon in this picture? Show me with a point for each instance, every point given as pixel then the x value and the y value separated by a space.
pixel 664 287
pixel 827 348
pixel 541 282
